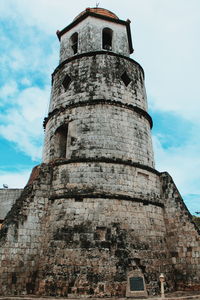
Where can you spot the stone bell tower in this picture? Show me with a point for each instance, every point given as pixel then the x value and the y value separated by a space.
pixel 96 218
pixel 98 108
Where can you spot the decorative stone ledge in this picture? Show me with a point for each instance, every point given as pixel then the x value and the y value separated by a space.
pixel 81 196
pixel 131 107
pixel 104 160
pixel 93 53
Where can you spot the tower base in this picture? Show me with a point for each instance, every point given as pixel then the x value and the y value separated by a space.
pixel 61 242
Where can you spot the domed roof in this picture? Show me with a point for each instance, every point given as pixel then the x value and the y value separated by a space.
pixel 99 11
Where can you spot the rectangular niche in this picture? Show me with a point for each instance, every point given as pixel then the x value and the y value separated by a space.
pixel 136 284
pixel 142 177
pixel 101 233
pixel 61 135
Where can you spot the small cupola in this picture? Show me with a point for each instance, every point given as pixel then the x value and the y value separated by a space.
pixel 95 29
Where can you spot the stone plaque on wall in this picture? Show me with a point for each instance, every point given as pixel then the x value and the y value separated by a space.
pixel 136 285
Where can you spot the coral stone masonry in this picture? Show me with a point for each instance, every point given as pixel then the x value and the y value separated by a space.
pixel 96 218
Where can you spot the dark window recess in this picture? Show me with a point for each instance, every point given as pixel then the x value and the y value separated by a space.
pixel 107 39
pixel 74 42
pixel 61 141
pixel 101 288
pixel 78 199
pixel 14 278
pixel 125 78
pixel 66 82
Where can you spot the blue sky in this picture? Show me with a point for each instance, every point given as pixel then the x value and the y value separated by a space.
pixel 166 41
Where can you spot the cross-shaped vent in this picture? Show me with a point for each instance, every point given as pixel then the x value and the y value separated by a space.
pixel 125 78
pixel 66 82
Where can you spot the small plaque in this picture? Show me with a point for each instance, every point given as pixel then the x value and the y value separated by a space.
pixel 136 283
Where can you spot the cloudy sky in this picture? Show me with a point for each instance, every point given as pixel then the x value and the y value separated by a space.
pixel 166 39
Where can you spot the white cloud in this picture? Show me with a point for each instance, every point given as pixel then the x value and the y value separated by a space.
pixel 48 16
pixel 17 59
pixel 27 54
pixel 182 163
pixel 168 50
pixel 26 65
pixel 31 58
pixel 22 124
pixel 14 179
pixel 25 81
pixel 7 90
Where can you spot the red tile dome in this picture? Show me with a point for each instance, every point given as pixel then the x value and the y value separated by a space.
pixel 99 11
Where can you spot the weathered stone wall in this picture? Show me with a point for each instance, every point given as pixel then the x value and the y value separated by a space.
pixel 101 131
pixel 78 245
pixel 183 237
pixel 94 242
pixel 105 118
pixel 7 199
pixel 90 38
pixel 56 241
pixel 106 178
pixel 21 238
pixel 98 76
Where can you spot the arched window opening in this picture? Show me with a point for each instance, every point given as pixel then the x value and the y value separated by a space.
pixel 74 42
pixel 61 141
pixel 107 39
